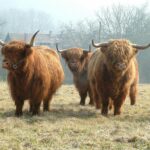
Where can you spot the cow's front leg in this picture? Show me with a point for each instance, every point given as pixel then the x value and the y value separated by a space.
pixel 118 103
pixel 19 105
pixel 91 102
pixel 83 95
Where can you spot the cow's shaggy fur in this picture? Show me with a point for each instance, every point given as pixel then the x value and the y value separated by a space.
pixel 34 73
pixel 113 72
pixel 77 61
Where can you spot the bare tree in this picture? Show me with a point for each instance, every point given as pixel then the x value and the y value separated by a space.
pixel 119 21
pixel 79 34
pixel 132 23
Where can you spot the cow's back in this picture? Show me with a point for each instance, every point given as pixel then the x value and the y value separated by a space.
pixel 50 67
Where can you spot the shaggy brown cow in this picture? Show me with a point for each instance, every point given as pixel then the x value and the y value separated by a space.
pixel 113 72
pixel 77 60
pixel 34 73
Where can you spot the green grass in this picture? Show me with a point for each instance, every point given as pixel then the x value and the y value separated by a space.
pixel 69 126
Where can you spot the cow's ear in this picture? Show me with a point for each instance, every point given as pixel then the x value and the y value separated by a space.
pixel 103 49
pixel 84 55
pixel 27 50
pixel 135 50
pixel 64 55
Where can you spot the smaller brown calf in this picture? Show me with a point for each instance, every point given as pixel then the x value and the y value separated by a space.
pixel 77 60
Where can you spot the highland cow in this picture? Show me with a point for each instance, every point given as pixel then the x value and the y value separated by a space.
pixel 34 74
pixel 77 60
pixel 113 73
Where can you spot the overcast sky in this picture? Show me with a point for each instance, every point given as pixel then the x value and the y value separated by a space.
pixel 66 10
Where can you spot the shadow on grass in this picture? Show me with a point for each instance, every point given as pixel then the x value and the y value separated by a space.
pixel 139 118
pixel 11 113
pixel 70 111
pixel 57 113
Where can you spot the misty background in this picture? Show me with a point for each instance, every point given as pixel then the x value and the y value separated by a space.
pixel 75 23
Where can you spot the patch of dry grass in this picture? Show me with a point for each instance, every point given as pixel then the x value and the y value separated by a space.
pixel 69 126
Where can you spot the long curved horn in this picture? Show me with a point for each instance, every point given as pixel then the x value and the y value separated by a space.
pixel 142 47
pixel 2 43
pixel 33 37
pixel 99 44
pixel 58 49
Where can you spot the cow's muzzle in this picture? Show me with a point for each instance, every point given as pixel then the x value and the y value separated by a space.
pixel 120 66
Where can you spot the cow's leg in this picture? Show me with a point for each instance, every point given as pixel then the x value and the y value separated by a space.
pixel 31 106
pixel 19 105
pixel 105 104
pixel 83 95
pixel 97 100
pixel 36 107
pixel 91 97
pixel 118 103
pixel 96 97
pixel 133 93
pixel 46 102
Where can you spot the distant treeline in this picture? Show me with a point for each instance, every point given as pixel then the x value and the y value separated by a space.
pixel 116 21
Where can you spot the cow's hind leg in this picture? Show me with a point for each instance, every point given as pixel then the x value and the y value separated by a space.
pixel 95 95
pixel 133 93
pixel 83 95
pixel 31 106
pixel 91 97
pixel 46 102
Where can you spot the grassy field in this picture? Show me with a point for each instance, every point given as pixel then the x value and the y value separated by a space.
pixel 69 126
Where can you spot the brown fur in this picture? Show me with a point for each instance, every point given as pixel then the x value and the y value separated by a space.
pixel 37 77
pixel 107 82
pixel 77 61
